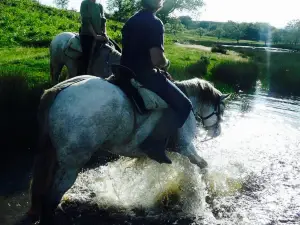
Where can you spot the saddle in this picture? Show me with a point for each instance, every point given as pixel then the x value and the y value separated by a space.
pixel 143 99
pixel 74 49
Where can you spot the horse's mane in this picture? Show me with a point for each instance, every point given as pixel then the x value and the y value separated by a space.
pixel 199 88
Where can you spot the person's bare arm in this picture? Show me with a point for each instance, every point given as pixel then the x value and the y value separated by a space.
pixel 156 45
pixel 158 58
pixel 91 29
pixel 86 16
pixel 96 36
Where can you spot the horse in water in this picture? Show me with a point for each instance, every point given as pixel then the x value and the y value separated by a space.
pixel 87 114
pixel 65 50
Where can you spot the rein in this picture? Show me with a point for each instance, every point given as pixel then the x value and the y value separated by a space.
pixel 216 111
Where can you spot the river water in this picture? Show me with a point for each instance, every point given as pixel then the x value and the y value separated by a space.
pixel 253 175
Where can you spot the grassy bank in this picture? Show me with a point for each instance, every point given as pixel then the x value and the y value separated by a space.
pixel 23 76
pixel 28 23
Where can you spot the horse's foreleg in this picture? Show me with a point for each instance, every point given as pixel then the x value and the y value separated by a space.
pixel 70 161
pixel 185 145
pixel 189 151
pixel 64 178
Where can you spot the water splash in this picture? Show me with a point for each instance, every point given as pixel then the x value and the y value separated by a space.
pixel 129 184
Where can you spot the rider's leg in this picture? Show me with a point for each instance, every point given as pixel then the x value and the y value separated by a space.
pixel 86 45
pixel 177 100
pixel 173 117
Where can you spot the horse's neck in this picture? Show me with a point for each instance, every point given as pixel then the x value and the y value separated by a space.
pixel 195 102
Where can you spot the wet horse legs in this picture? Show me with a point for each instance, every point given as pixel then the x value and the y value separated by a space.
pixel 64 178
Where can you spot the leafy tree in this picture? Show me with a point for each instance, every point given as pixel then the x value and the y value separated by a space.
pixel 219 32
pixel 200 31
pixel 293 29
pixel 278 36
pixel 265 31
pixel 63 4
pixel 251 32
pixel 123 9
pixel 171 5
pixel 174 26
pixel 186 21
pixel 234 30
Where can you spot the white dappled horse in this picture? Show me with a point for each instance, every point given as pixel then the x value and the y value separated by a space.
pixel 87 114
pixel 65 50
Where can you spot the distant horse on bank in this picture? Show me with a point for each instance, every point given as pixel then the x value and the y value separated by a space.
pixel 65 50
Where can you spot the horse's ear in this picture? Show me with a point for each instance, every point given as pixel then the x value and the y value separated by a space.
pixel 224 96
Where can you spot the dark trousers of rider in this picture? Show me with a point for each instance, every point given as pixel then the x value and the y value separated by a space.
pixel 86 45
pixel 177 100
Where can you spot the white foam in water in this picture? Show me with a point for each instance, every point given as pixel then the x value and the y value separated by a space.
pixel 130 183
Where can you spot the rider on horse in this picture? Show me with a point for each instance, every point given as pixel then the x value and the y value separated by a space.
pixel 143 53
pixel 92 28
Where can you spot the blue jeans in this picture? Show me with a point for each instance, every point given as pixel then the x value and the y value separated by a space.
pixel 177 100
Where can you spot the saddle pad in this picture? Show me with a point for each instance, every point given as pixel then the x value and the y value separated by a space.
pixel 74 43
pixel 151 100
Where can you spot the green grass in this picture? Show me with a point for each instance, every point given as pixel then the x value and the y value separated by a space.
pixel 24 73
pixel 27 23
pixel 188 63
pixel 34 62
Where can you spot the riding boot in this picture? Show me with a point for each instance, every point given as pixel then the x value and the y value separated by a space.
pixel 155 144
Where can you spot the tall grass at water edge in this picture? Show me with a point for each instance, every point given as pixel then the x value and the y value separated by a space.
pixel 278 71
pixel 229 72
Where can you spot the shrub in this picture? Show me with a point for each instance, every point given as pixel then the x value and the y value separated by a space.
pixel 285 80
pixel 242 75
pixel 200 67
pixel 219 49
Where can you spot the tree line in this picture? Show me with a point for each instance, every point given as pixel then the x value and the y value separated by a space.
pixel 121 10
pixel 290 34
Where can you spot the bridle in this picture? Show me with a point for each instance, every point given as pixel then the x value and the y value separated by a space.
pixel 217 111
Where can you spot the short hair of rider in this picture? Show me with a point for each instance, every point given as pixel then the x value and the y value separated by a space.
pixel 148 4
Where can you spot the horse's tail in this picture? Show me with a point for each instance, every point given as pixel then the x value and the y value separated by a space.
pixel 51 64
pixel 56 63
pixel 45 160
pixel 55 67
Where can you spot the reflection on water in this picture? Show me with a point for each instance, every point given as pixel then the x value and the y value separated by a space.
pixel 267 49
pixel 253 175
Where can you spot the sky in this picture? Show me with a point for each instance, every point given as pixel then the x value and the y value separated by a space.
pixel 276 12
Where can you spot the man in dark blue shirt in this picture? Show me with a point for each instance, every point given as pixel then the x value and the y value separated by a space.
pixel 143 53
